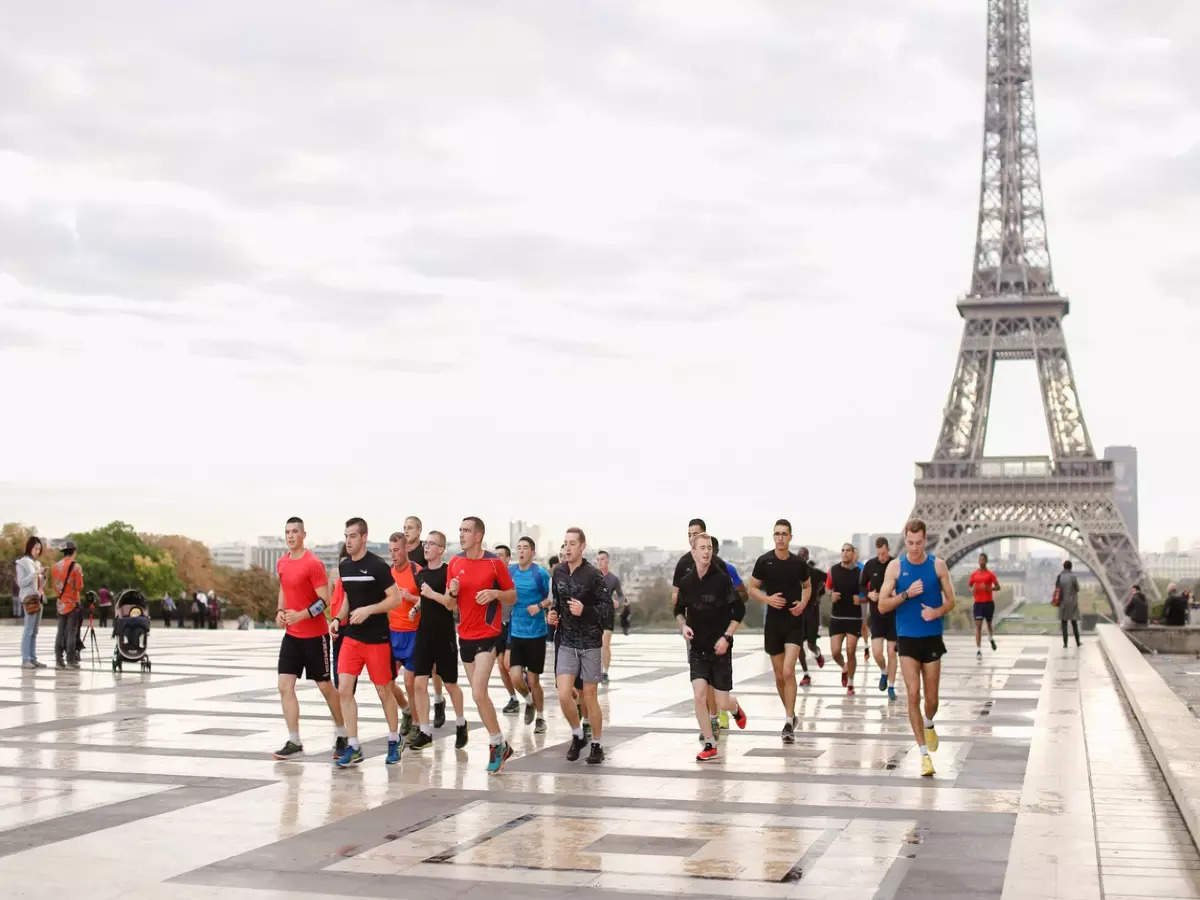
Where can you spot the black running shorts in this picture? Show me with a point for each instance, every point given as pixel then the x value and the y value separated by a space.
pixel 883 626
pixel 984 611
pixel 469 648
pixel 528 653
pixel 922 649
pixel 436 649
pixel 716 670
pixel 305 656
pixel 784 629
pixel 845 626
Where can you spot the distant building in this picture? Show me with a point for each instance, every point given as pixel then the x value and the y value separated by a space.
pixel 730 550
pixel 1172 546
pixel 520 529
pixel 234 556
pixel 753 547
pixel 1124 461
pixel 267 552
pixel 1172 566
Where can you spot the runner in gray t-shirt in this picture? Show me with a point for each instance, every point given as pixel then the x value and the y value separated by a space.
pixel 613 583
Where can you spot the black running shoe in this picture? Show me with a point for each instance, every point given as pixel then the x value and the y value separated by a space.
pixel 577 745
pixel 460 737
pixel 512 707
pixel 420 742
pixel 529 713
pixel 992 641
pixel 587 731
pixel 789 733
pixel 288 750
pixel 596 756
pixel 439 714
pixel 339 746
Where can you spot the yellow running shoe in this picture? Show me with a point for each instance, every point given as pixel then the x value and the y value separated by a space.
pixel 926 764
pixel 931 740
pixel 724 720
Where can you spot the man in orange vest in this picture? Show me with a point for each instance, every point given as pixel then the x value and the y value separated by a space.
pixel 68 584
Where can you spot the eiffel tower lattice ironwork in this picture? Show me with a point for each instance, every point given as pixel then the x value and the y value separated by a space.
pixel 1014 312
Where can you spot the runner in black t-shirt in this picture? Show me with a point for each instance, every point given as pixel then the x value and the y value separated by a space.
pixel 709 611
pixel 780 580
pixel 845 616
pixel 883 625
pixel 366 640
pixel 436 650
pixel 812 617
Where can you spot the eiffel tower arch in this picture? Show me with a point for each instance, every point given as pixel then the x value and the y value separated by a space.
pixel 1013 311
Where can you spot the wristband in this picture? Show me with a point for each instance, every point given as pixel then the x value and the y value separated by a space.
pixel 316 608
pixel 728 637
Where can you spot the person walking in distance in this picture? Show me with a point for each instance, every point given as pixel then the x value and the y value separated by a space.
pixel 30 589
pixel 709 611
pixel 613 583
pixel 780 580
pixel 168 610
pixel 983 584
pixel 845 618
pixel 104 605
pixel 370 594
pixel 527 631
pixel 882 625
pixel 918 587
pixel 481 586
pixel 1068 603
pixel 512 707
pixel 581 604
pixel 304 650
pixel 435 649
pixel 67 578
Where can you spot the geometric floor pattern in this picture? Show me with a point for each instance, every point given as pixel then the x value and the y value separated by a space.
pixel 162 785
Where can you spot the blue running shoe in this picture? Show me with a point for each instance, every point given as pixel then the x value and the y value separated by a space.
pixel 351 756
pixel 891 693
pixel 393 754
pixel 883 682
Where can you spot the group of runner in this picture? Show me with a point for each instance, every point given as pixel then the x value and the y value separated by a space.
pixel 387 619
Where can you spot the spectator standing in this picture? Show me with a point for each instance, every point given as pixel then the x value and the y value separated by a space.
pixel 67 578
pixel 199 610
pixel 1175 609
pixel 1137 609
pixel 29 589
pixel 168 609
pixel 104 603
pixel 1068 606
pixel 214 610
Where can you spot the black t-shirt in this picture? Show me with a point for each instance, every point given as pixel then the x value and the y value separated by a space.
pixel 708 605
pixel 585 584
pixel 781 576
pixel 417 555
pixel 872 578
pixel 435 618
pixel 845 583
pixel 366 581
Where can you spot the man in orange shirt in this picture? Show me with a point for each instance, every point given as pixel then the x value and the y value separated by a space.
pixel 402 624
pixel 984 584
pixel 68 584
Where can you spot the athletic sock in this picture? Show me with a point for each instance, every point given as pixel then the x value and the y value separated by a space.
pixel 438 698
pixel 460 721
pixel 928 722
pixel 512 695
pixel 427 730
pixel 495 739
pixel 294 737
pixel 393 737
pixel 354 743
pixel 339 731
pixel 583 722
pixel 577 732
pixel 924 750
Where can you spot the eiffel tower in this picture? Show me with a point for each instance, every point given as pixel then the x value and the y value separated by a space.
pixel 1014 312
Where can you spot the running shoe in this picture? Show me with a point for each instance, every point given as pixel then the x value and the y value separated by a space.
pixel 926 764
pixel 604 678
pixel 529 713
pixel 406 722
pixel 577 745
pixel 351 756
pixel 849 690
pixel 789 733
pixel 339 746
pixel 460 736
pixel 806 680
pixel 724 719
pixel 512 706
pixel 931 740
pixel 820 661
pixel 739 716
pixel 587 731
pixel 288 750
pixel 596 756
pixel 883 681
pixel 979 654
pixel 867 654
pixel 439 714
pixel 992 641
pixel 420 742
pixel 891 693
pixel 709 752
pixel 393 754
pixel 539 726
pixel 845 678
pixel 498 755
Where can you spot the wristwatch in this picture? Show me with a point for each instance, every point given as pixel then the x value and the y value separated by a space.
pixel 728 637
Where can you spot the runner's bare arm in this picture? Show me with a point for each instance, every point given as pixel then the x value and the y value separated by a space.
pixel 943 574
pixel 888 598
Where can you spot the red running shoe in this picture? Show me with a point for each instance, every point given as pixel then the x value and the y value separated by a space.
pixel 820 661
pixel 805 681
pixel 709 752
pixel 740 717
pixel 845 680
pixel 850 690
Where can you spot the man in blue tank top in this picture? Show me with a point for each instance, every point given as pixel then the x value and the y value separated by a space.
pixel 917 586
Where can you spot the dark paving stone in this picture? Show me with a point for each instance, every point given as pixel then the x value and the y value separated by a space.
pixel 785 752
pixel 646 844
pixel 227 732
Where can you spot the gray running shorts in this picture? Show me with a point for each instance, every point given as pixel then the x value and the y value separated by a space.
pixel 575 662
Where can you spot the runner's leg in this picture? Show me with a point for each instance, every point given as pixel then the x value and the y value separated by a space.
pixel 911 669
pixel 700 692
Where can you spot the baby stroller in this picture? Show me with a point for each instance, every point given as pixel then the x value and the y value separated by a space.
pixel 131 629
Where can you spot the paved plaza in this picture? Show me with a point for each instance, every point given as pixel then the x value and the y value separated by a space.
pixel 162 785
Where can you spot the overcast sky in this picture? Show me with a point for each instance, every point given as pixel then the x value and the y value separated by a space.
pixel 609 264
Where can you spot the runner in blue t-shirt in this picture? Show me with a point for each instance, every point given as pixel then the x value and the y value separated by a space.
pixel 527 631
pixel 917 586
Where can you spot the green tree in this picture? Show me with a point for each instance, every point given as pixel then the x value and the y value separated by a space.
pixel 116 557
pixel 254 591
